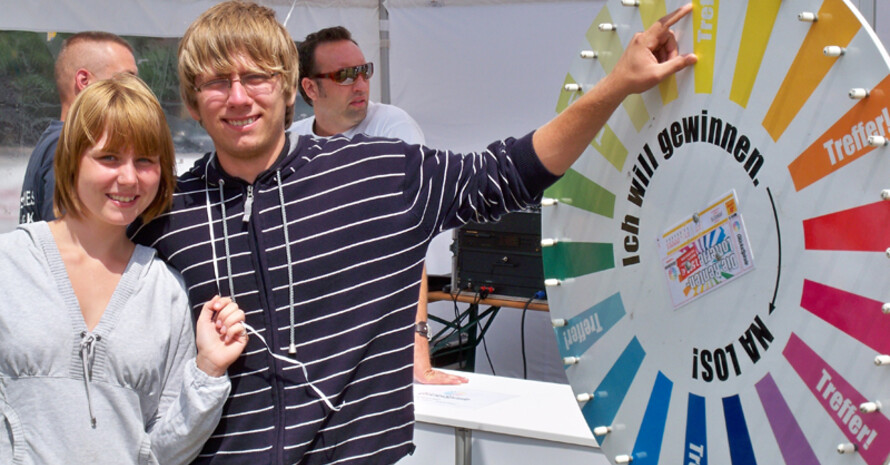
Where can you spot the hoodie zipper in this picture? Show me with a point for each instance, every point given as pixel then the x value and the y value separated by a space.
pixel 248 204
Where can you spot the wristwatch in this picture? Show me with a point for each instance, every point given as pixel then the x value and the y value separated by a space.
pixel 423 329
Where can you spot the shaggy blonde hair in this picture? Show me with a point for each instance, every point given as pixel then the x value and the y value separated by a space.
pixel 227 35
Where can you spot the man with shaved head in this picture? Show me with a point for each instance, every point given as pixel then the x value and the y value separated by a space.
pixel 85 57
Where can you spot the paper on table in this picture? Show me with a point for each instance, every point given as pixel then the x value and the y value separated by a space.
pixel 460 397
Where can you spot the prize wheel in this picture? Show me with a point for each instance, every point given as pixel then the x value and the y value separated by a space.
pixel 717 261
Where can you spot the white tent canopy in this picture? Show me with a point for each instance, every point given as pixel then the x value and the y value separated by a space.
pixel 467 70
pixel 429 40
pixel 162 18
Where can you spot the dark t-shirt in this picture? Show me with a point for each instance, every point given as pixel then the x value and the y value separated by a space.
pixel 36 202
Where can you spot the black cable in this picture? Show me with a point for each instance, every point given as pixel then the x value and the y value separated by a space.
pixel 522 337
pixel 476 299
pixel 456 328
pixel 454 300
pixel 487 356
pixel 485 344
pixel 456 310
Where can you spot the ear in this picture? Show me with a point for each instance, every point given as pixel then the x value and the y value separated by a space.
pixel 194 113
pixel 82 79
pixel 310 87
pixel 293 98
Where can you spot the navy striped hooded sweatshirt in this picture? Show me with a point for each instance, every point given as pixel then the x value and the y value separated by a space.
pixel 324 254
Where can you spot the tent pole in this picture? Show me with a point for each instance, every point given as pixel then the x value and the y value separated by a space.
pixel 869 9
pixel 383 69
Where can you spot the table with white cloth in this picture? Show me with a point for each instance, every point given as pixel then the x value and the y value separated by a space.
pixel 499 420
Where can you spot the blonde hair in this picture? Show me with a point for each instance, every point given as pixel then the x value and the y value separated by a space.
pixel 227 34
pixel 125 109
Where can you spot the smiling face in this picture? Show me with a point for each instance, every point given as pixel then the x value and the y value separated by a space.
pixel 115 187
pixel 247 126
pixel 337 108
pixel 117 128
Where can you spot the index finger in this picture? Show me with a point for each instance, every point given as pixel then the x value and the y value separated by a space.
pixel 670 19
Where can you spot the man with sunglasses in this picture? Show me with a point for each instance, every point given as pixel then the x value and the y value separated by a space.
pixel 322 241
pixel 335 82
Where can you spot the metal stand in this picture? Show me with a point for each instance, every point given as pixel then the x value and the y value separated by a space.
pixel 460 336
pixel 463 446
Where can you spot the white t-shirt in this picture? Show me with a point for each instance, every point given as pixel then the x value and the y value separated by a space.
pixel 382 120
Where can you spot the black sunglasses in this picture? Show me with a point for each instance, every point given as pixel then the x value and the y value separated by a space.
pixel 347 76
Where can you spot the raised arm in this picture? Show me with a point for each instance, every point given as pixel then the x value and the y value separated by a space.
pixel 650 57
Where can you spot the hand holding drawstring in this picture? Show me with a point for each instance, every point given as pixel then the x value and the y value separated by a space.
pixel 220 335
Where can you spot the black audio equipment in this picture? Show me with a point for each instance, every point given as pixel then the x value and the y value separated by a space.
pixel 500 259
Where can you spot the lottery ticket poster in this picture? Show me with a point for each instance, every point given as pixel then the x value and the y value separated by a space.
pixel 706 251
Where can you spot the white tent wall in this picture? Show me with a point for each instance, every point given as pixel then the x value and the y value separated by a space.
pixel 472 72
pixel 469 74
pixel 881 22
pixel 469 71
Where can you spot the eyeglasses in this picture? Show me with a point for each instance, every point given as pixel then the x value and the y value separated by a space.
pixel 253 83
pixel 347 76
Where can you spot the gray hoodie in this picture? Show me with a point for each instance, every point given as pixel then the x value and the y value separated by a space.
pixel 127 392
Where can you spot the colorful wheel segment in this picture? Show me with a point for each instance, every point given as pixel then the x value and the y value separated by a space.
pixel 717 261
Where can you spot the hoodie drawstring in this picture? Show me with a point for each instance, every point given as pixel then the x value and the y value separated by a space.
pixel 292 349
pixel 87 350
pixel 225 228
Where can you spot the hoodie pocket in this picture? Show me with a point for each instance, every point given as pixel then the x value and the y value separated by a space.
pixel 11 436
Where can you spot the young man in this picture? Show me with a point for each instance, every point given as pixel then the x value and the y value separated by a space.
pixel 335 82
pixel 85 57
pixel 322 241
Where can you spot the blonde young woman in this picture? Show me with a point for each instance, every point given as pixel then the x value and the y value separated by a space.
pixel 99 359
